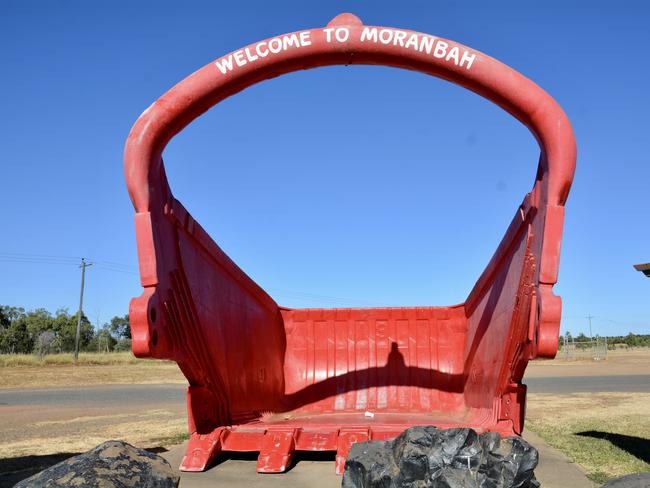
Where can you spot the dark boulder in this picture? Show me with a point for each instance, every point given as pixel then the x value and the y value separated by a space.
pixel 113 464
pixel 451 458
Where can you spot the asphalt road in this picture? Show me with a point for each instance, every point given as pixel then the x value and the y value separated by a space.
pixel 101 395
pixel 174 394
pixel 632 383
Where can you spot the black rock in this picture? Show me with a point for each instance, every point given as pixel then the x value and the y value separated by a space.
pixel 423 457
pixel 369 462
pixel 510 463
pixel 113 464
pixel 639 480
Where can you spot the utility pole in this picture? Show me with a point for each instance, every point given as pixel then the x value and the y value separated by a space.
pixel 83 267
pixel 589 317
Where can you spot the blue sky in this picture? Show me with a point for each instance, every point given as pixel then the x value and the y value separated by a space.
pixel 332 187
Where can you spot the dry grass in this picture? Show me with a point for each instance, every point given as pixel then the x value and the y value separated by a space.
pixel 26 371
pixel 608 434
pixel 85 358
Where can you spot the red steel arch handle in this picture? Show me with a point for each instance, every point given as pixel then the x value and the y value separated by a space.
pixel 347 41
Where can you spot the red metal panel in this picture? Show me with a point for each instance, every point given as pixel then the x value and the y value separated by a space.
pixel 270 379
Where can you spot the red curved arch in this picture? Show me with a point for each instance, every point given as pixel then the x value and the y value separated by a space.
pixel 362 45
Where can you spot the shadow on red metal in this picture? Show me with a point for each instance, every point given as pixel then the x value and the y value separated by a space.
pixel 275 380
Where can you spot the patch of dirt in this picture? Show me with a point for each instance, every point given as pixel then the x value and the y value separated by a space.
pixel 605 406
pixel 82 433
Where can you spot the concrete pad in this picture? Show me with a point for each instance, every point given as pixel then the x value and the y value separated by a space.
pixel 554 469
pixel 310 470
pixel 316 470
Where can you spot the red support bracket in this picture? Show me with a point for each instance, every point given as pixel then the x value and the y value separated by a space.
pixel 347 437
pixel 201 450
pixel 513 406
pixel 276 452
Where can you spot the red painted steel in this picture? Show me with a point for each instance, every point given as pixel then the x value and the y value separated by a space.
pixel 275 380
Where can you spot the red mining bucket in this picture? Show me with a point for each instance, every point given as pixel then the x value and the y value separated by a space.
pixel 276 380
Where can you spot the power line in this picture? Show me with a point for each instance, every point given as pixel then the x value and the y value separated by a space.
pixel 133 273
pixel 605 319
pixel 36 259
pixel 118 265
pixel 21 254
pixel 24 258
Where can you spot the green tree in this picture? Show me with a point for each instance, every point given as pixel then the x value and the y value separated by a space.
pixel 123 345
pixel 12 313
pixel 16 339
pixel 65 326
pixel 4 320
pixel 103 340
pixel 632 340
pixel 4 326
pixel 14 334
pixel 120 327
pixel 22 332
pixel 37 321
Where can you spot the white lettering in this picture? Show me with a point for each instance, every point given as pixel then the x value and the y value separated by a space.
pixel 275 45
pixel 369 34
pixel 225 64
pixel 467 57
pixel 385 36
pixel 250 56
pixel 289 41
pixel 426 44
pixel 412 42
pixel 239 58
pixel 417 42
pixel 305 38
pixel 258 50
pixel 399 38
pixel 453 54
pixel 441 49
pixel 342 34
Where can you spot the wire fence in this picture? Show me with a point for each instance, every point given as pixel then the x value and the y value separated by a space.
pixel 595 349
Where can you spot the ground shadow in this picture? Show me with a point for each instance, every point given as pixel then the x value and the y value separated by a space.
pixel 13 470
pixel 233 456
pixel 636 446
pixel 394 373
pixel 251 456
